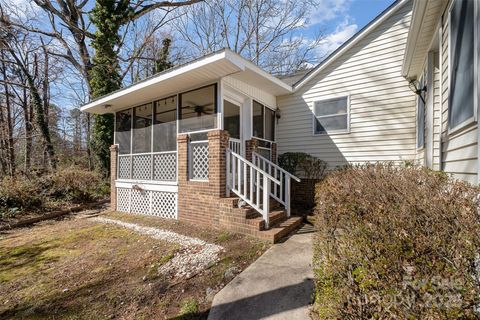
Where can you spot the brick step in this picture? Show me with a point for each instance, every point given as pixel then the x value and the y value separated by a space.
pixel 281 230
pixel 275 218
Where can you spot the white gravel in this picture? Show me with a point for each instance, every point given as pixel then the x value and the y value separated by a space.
pixel 194 256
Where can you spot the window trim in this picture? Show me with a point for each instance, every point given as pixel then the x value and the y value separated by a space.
pixel 264 118
pixel 422 84
pixel 314 117
pixel 473 119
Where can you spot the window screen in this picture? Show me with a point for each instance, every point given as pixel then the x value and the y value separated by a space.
pixel 331 115
pixel 461 62
pixel 198 109
pixel 142 131
pixel 165 125
pixel 231 119
pixel 263 122
pixel 258 123
pixel 123 128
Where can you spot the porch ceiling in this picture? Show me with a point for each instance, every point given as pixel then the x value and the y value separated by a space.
pixel 207 69
pixel 426 15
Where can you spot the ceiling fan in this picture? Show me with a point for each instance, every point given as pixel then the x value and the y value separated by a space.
pixel 199 109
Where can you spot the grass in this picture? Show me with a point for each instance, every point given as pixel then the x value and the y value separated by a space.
pixel 81 269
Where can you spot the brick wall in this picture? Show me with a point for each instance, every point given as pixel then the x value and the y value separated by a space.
pixel 303 193
pixel 113 176
pixel 198 201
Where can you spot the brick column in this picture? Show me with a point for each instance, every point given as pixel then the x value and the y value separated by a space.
pixel 182 154
pixel 217 164
pixel 251 146
pixel 274 153
pixel 198 201
pixel 113 176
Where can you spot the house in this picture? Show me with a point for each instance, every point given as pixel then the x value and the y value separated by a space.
pixel 199 142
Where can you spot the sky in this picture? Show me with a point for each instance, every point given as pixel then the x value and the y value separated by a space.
pixel 338 20
pixel 335 20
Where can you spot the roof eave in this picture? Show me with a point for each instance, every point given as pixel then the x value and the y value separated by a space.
pixel 419 9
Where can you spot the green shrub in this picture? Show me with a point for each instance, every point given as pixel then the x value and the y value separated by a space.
pixel 396 243
pixel 17 195
pixel 75 185
pixel 303 164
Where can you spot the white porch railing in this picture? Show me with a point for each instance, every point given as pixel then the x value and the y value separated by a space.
pixel 281 191
pixel 235 145
pixel 244 179
pixel 156 166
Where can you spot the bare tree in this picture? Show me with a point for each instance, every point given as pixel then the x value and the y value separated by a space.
pixel 267 32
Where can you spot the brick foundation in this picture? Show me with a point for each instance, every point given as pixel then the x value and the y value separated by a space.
pixel 303 193
pixel 113 176
pixel 198 201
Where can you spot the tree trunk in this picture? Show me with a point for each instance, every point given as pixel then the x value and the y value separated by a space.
pixel 27 112
pixel 10 142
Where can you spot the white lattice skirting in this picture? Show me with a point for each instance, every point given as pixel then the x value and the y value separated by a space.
pixel 156 203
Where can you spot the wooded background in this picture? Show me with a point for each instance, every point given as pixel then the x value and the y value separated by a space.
pixel 56 55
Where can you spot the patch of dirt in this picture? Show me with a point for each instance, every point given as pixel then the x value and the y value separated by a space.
pixel 79 268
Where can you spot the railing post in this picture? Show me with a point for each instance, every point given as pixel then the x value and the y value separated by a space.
pixel 266 201
pixel 287 195
pixel 227 185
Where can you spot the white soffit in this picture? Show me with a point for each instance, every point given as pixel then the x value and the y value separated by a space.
pixel 425 18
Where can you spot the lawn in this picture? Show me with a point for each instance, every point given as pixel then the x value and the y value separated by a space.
pixel 84 268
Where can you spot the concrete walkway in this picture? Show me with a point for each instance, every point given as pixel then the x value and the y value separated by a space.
pixel 278 285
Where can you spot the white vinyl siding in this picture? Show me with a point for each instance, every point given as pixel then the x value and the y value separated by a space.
pixel 382 107
pixel 459 149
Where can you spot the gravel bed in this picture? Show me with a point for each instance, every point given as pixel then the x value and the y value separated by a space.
pixel 194 256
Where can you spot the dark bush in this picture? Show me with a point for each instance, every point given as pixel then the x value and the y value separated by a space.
pixel 18 195
pixel 66 185
pixel 75 185
pixel 396 243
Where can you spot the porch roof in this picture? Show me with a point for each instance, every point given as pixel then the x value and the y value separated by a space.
pixel 201 71
pixel 425 18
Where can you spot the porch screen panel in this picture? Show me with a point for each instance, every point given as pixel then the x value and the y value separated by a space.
pixel 461 63
pixel 142 131
pixel 258 122
pixel 231 120
pixel 165 125
pixel 123 125
pixel 269 124
pixel 198 109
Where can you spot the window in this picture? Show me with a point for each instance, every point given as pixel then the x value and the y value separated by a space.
pixel 198 109
pixel 231 120
pixel 263 122
pixel 421 116
pixel 165 125
pixel 123 125
pixel 331 115
pixel 142 133
pixel 461 100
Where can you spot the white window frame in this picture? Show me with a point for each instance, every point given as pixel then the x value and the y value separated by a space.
pixel 473 119
pixel 274 124
pixel 421 83
pixel 314 118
